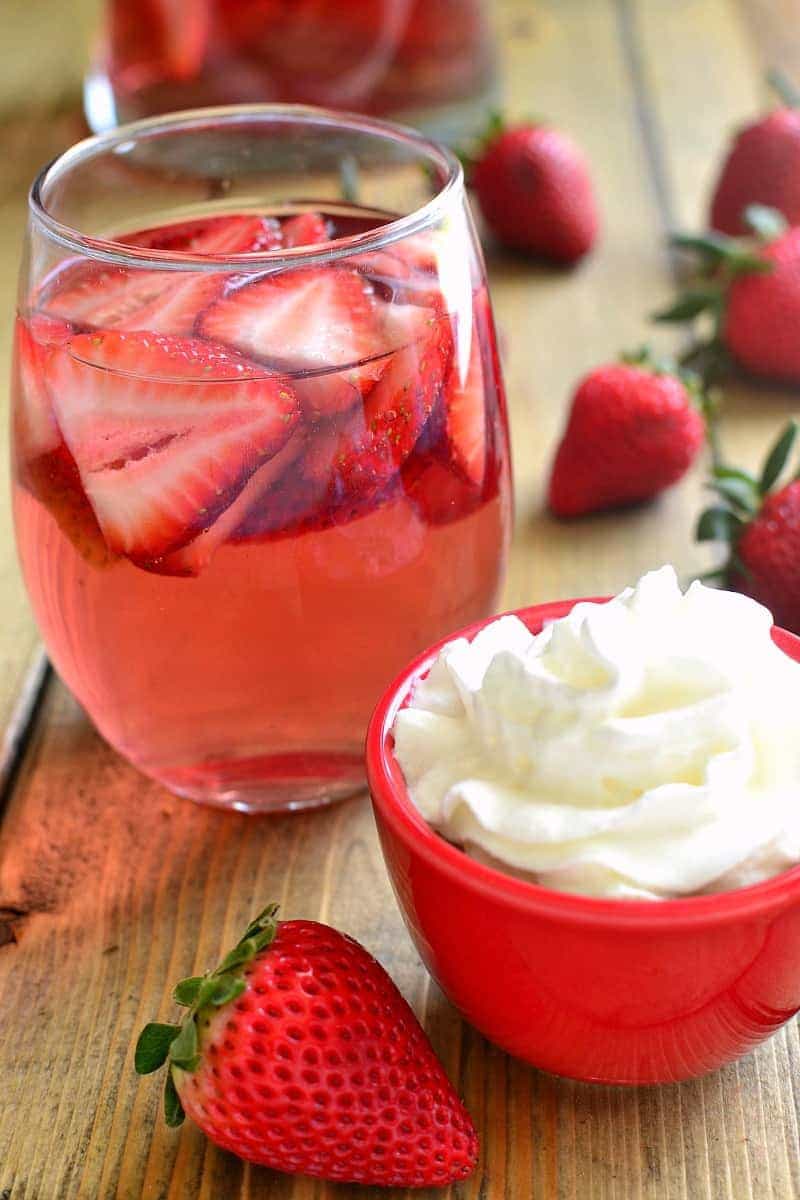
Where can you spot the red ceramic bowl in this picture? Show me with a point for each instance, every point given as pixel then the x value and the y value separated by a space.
pixel 618 991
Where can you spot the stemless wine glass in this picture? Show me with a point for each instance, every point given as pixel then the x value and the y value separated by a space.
pixel 428 62
pixel 260 443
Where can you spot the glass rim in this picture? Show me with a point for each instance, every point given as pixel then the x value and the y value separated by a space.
pixel 122 254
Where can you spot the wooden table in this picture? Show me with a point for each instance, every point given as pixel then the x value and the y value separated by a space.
pixel 110 889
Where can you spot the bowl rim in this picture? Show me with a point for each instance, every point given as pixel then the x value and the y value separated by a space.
pixel 393 806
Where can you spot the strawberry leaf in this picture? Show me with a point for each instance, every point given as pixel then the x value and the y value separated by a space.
pixel 186 991
pixel 714 247
pixel 783 85
pixel 741 494
pixel 778 458
pixel 173 1109
pixel 153 1046
pixel 689 305
pixel 766 223
pixel 718 524
pixel 183 1050
pixel 226 987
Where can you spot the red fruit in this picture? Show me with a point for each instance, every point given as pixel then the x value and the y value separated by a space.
pixel 35 428
pixel 165 433
pixel 535 191
pixel 54 479
pixel 762 167
pixel 105 297
pixel 210 235
pixel 299 1053
pixel 769 551
pixel 326 321
pixel 465 415
pixel 305 230
pixel 760 520
pixel 630 434
pixel 395 412
pixel 184 26
pixel 762 315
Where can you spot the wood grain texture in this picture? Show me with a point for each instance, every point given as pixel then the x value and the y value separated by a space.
pixel 110 889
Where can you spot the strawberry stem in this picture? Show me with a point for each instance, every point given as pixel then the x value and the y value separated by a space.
pixel 780 82
pixel 178 1045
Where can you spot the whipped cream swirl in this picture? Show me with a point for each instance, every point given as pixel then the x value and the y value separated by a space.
pixel 645 747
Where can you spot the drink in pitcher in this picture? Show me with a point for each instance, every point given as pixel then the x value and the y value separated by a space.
pixel 429 62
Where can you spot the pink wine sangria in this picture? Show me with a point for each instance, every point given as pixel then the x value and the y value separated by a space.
pixel 428 61
pixel 260 456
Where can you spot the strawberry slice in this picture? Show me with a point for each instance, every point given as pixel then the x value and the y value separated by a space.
pixel 35 428
pixel 257 495
pixel 103 297
pixel 324 322
pixel 406 270
pixel 306 229
pixel 395 412
pixel 351 462
pixel 165 433
pixel 465 415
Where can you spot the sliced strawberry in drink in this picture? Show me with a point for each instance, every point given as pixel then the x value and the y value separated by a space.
pixel 465 414
pixel 306 229
pixel 165 433
pixel 35 428
pixel 263 498
pixel 351 462
pixel 107 297
pixel 396 411
pixel 406 269
pixel 325 323
pixel 222 234
pixel 54 479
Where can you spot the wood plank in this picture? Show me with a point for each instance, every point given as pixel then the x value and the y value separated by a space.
pixel 110 889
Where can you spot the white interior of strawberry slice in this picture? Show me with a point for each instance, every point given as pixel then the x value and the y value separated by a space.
pixel 162 453
pixel 319 320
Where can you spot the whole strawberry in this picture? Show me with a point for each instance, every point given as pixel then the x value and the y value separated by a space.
pixel 535 192
pixel 300 1054
pixel 762 314
pixel 632 431
pixel 750 289
pixel 760 521
pixel 762 167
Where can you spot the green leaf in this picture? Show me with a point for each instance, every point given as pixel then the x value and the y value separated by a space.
pixel 153 1046
pixel 740 494
pixel 173 1109
pixel 185 992
pixel 183 1051
pixel 715 247
pixel 723 472
pixel 778 458
pixel 243 953
pixel 783 85
pixel 689 305
pixel 718 524
pixel 264 920
pixel 766 223
pixel 226 987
